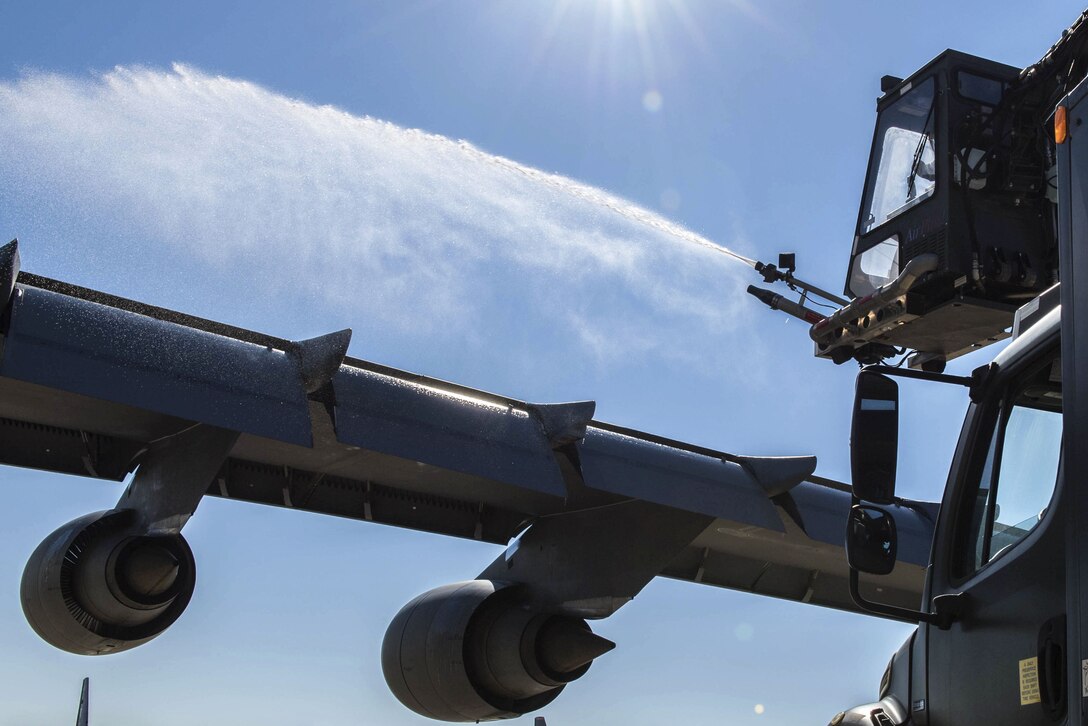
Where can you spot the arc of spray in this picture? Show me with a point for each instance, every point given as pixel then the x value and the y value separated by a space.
pixel 624 209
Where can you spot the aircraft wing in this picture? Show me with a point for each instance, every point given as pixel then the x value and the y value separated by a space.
pixel 90 383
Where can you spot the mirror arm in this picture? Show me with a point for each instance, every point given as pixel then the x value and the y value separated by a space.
pixel 946 608
pixel 921 375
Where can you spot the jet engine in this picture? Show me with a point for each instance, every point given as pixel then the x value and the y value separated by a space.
pixel 100 584
pixel 474 651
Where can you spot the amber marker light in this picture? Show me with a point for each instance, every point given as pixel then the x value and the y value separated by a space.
pixel 1061 129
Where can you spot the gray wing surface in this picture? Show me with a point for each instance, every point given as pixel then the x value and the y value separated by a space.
pixel 88 381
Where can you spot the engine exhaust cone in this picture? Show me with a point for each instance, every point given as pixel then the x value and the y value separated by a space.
pixel 149 569
pixel 565 645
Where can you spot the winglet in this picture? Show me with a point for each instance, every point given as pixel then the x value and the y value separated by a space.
pixel 319 358
pixel 778 474
pixel 9 270
pixel 563 423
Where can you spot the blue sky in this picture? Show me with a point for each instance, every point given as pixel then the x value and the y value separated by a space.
pixel 404 169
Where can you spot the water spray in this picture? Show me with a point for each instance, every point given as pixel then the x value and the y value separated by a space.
pixel 608 201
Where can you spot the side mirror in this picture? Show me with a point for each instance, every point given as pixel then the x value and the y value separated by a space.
pixel 874 438
pixel 870 540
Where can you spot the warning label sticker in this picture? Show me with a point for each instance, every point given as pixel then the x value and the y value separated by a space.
pixel 1029 681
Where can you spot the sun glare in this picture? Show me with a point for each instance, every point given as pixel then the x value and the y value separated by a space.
pixel 627 54
pixel 629 35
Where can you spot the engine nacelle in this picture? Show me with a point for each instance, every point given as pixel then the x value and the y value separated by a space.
pixel 100 585
pixel 472 651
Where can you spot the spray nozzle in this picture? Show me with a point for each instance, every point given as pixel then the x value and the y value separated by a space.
pixel 783 272
pixel 787 263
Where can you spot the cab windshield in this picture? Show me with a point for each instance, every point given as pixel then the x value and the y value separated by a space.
pixel 902 169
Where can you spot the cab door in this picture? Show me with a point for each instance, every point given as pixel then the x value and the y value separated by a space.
pixel 1000 541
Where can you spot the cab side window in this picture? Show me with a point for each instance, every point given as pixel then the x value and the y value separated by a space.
pixel 1016 480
